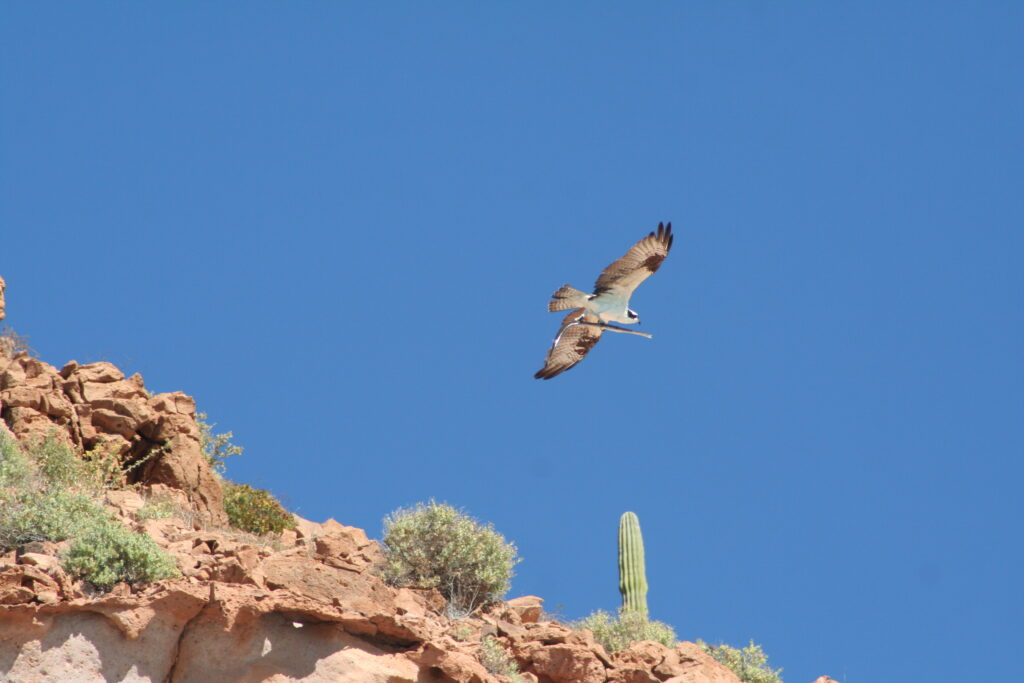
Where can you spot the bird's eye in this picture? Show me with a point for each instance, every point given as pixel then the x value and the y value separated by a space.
pixel 632 314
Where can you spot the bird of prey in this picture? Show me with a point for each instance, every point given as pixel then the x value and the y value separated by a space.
pixel 592 314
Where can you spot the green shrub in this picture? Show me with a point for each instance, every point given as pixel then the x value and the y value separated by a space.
pixel 618 633
pixel 109 552
pixel 215 447
pixel 750 664
pixel 255 510
pixel 496 659
pixel 47 493
pixel 26 516
pixel 433 545
pixel 50 493
pixel 15 467
pixel 47 462
pixel 157 508
pixel 461 631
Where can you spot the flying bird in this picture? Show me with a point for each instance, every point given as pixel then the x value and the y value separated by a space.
pixel 592 314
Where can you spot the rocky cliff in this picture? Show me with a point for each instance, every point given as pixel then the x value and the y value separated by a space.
pixel 303 605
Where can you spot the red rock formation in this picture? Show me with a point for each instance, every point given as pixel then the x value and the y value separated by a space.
pixel 310 609
pixel 96 406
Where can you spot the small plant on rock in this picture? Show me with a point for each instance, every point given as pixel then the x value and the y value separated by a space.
pixel 252 510
pixel 215 447
pixel 618 633
pixel 496 659
pixel 157 508
pixel 433 545
pixel 255 510
pixel 750 664
pixel 461 631
pixel 13 344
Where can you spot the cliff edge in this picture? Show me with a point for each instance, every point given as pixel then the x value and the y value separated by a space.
pixel 302 605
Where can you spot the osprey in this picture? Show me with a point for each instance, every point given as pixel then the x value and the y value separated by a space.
pixel 592 313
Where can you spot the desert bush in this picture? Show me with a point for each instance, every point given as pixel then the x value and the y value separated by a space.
pixel 48 492
pixel 215 447
pixel 255 510
pixel 157 508
pixel 618 633
pixel 433 545
pixel 750 664
pixel 15 467
pixel 57 466
pixel 461 631
pixel 62 467
pixel 13 344
pixel 496 659
pixel 108 552
pixel 54 516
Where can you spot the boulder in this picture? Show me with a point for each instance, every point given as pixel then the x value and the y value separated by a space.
pixel 346 546
pixel 528 607
pixel 450 665
pixel 561 663
pixel 688 663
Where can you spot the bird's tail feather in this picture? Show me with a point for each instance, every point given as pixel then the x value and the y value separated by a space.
pixel 565 298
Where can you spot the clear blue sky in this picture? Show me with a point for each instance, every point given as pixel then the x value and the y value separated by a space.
pixel 337 226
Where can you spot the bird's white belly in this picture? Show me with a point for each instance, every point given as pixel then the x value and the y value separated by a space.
pixel 610 310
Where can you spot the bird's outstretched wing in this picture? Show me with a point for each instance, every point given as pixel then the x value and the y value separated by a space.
pixel 639 263
pixel 573 342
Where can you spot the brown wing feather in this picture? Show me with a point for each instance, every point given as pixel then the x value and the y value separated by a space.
pixel 571 345
pixel 639 263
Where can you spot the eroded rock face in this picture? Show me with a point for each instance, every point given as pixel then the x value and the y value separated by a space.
pixel 307 607
pixel 96 406
pixel 272 646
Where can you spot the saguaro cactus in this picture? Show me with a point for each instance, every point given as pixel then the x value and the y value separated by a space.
pixel 632 575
